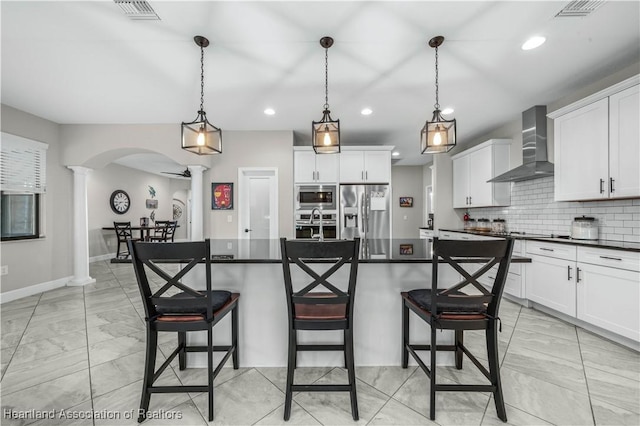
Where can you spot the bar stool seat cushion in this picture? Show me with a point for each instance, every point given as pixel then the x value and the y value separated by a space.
pixel 331 311
pixel 422 297
pixel 218 297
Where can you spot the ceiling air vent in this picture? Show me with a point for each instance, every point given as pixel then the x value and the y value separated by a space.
pixel 579 8
pixel 137 10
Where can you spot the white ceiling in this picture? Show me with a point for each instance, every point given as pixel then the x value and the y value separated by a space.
pixel 85 62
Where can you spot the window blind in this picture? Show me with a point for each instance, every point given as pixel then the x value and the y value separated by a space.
pixel 23 164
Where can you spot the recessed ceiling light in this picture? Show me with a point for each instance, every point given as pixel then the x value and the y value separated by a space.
pixel 395 153
pixel 269 111
pixel 447 111
pixel 366 111
pixel 533 42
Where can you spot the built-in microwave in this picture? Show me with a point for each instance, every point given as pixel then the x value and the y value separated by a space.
pixel 311 196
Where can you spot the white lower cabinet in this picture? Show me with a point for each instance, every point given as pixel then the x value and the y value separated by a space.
pixel 598 286
pixel 609 297
pixel 551 276
pixel 551 282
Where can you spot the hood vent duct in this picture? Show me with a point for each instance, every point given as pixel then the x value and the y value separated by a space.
pixel 534 148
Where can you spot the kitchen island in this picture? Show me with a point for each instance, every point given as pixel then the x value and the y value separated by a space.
pixel 387 267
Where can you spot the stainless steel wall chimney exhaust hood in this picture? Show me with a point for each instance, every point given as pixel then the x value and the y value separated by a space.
pixel 534 148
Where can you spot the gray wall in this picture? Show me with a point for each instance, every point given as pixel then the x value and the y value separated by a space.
pixel 102 182
pixel 36 261
pixel 269 149
pixel 407 181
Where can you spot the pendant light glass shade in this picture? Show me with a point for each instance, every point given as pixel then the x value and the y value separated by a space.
pixel 438 135
pixel 325 134
pixel 200 136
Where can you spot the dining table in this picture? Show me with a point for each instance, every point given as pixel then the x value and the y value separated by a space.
pixel 145 231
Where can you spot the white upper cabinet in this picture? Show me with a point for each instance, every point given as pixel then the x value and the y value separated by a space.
pixel 365 166
pixel 597 146
pixel 310 167
pixel 624 143
pixel 474 167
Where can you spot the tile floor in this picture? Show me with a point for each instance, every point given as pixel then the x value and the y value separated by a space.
pixel 82 349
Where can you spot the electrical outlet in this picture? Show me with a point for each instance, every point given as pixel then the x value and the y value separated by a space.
pixel 229 246
pixel 4 270
pixel 229 218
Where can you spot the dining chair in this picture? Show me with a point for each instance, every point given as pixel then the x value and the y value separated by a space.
pixel 329 309
pixel 123 235
pixel 159 230
pixel 452 309
pixel 180 306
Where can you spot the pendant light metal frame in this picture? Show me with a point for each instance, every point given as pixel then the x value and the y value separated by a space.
pixel 325 134
pixel 200 136
pixel 438 135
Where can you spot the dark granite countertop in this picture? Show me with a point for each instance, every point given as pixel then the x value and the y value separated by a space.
pixel 372 251
pixel 383 251
pixel 561 239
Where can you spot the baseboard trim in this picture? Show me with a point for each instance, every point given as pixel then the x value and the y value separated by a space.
pixel 12 295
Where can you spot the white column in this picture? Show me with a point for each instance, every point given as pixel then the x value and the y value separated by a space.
pixel 80 228
pixel 197 204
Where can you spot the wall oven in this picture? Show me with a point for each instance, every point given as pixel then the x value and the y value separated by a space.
pixel 309 197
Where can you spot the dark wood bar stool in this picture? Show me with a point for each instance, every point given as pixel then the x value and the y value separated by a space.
pixel 452 309
pixel 177 307
pixel 331 309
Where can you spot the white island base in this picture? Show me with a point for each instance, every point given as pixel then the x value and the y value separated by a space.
pixel 263 324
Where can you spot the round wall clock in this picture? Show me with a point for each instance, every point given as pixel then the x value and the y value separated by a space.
pixel 119 201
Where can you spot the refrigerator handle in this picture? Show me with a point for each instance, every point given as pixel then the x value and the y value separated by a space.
pixel 362 214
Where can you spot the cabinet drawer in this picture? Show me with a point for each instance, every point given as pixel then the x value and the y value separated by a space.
pixel 558 251
pixel 513 286
pixel 620 259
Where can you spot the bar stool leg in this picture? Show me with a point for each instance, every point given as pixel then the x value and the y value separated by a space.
pixel 350 364
pixel 182 355
pixel 432 382
pixel 494 369
pixel 210 370
pixel 234 337
pixel 149 371
pixel 405 335
pixel 459 354
pixel 291 365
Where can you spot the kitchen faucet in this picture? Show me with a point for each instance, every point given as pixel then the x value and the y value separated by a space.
pixel 320 236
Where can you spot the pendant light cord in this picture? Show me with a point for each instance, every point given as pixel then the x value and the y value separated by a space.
pixel 326 78
pixel 437 104
pixel 201 78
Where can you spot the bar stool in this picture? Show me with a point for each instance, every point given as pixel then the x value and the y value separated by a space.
pixel 309 309
pixel 187 309
pixel 452 309
pixel 123 234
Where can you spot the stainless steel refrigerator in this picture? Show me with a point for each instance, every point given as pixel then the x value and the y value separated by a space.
pixel 365 212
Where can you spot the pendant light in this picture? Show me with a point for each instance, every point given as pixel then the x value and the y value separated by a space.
pixel 200 136
pixel 437 135
pixel 325 134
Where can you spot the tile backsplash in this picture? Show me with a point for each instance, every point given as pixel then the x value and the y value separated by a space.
pixel 533 210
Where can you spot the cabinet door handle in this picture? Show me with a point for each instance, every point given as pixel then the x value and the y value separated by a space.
pixel 611 188
pixel 569 273
pixel 366 175
pixel 577 275
pixel 611 258
pixel 470 201
pixel 602 186
pixel 318 175
pixel 362 174
pixel 545 249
